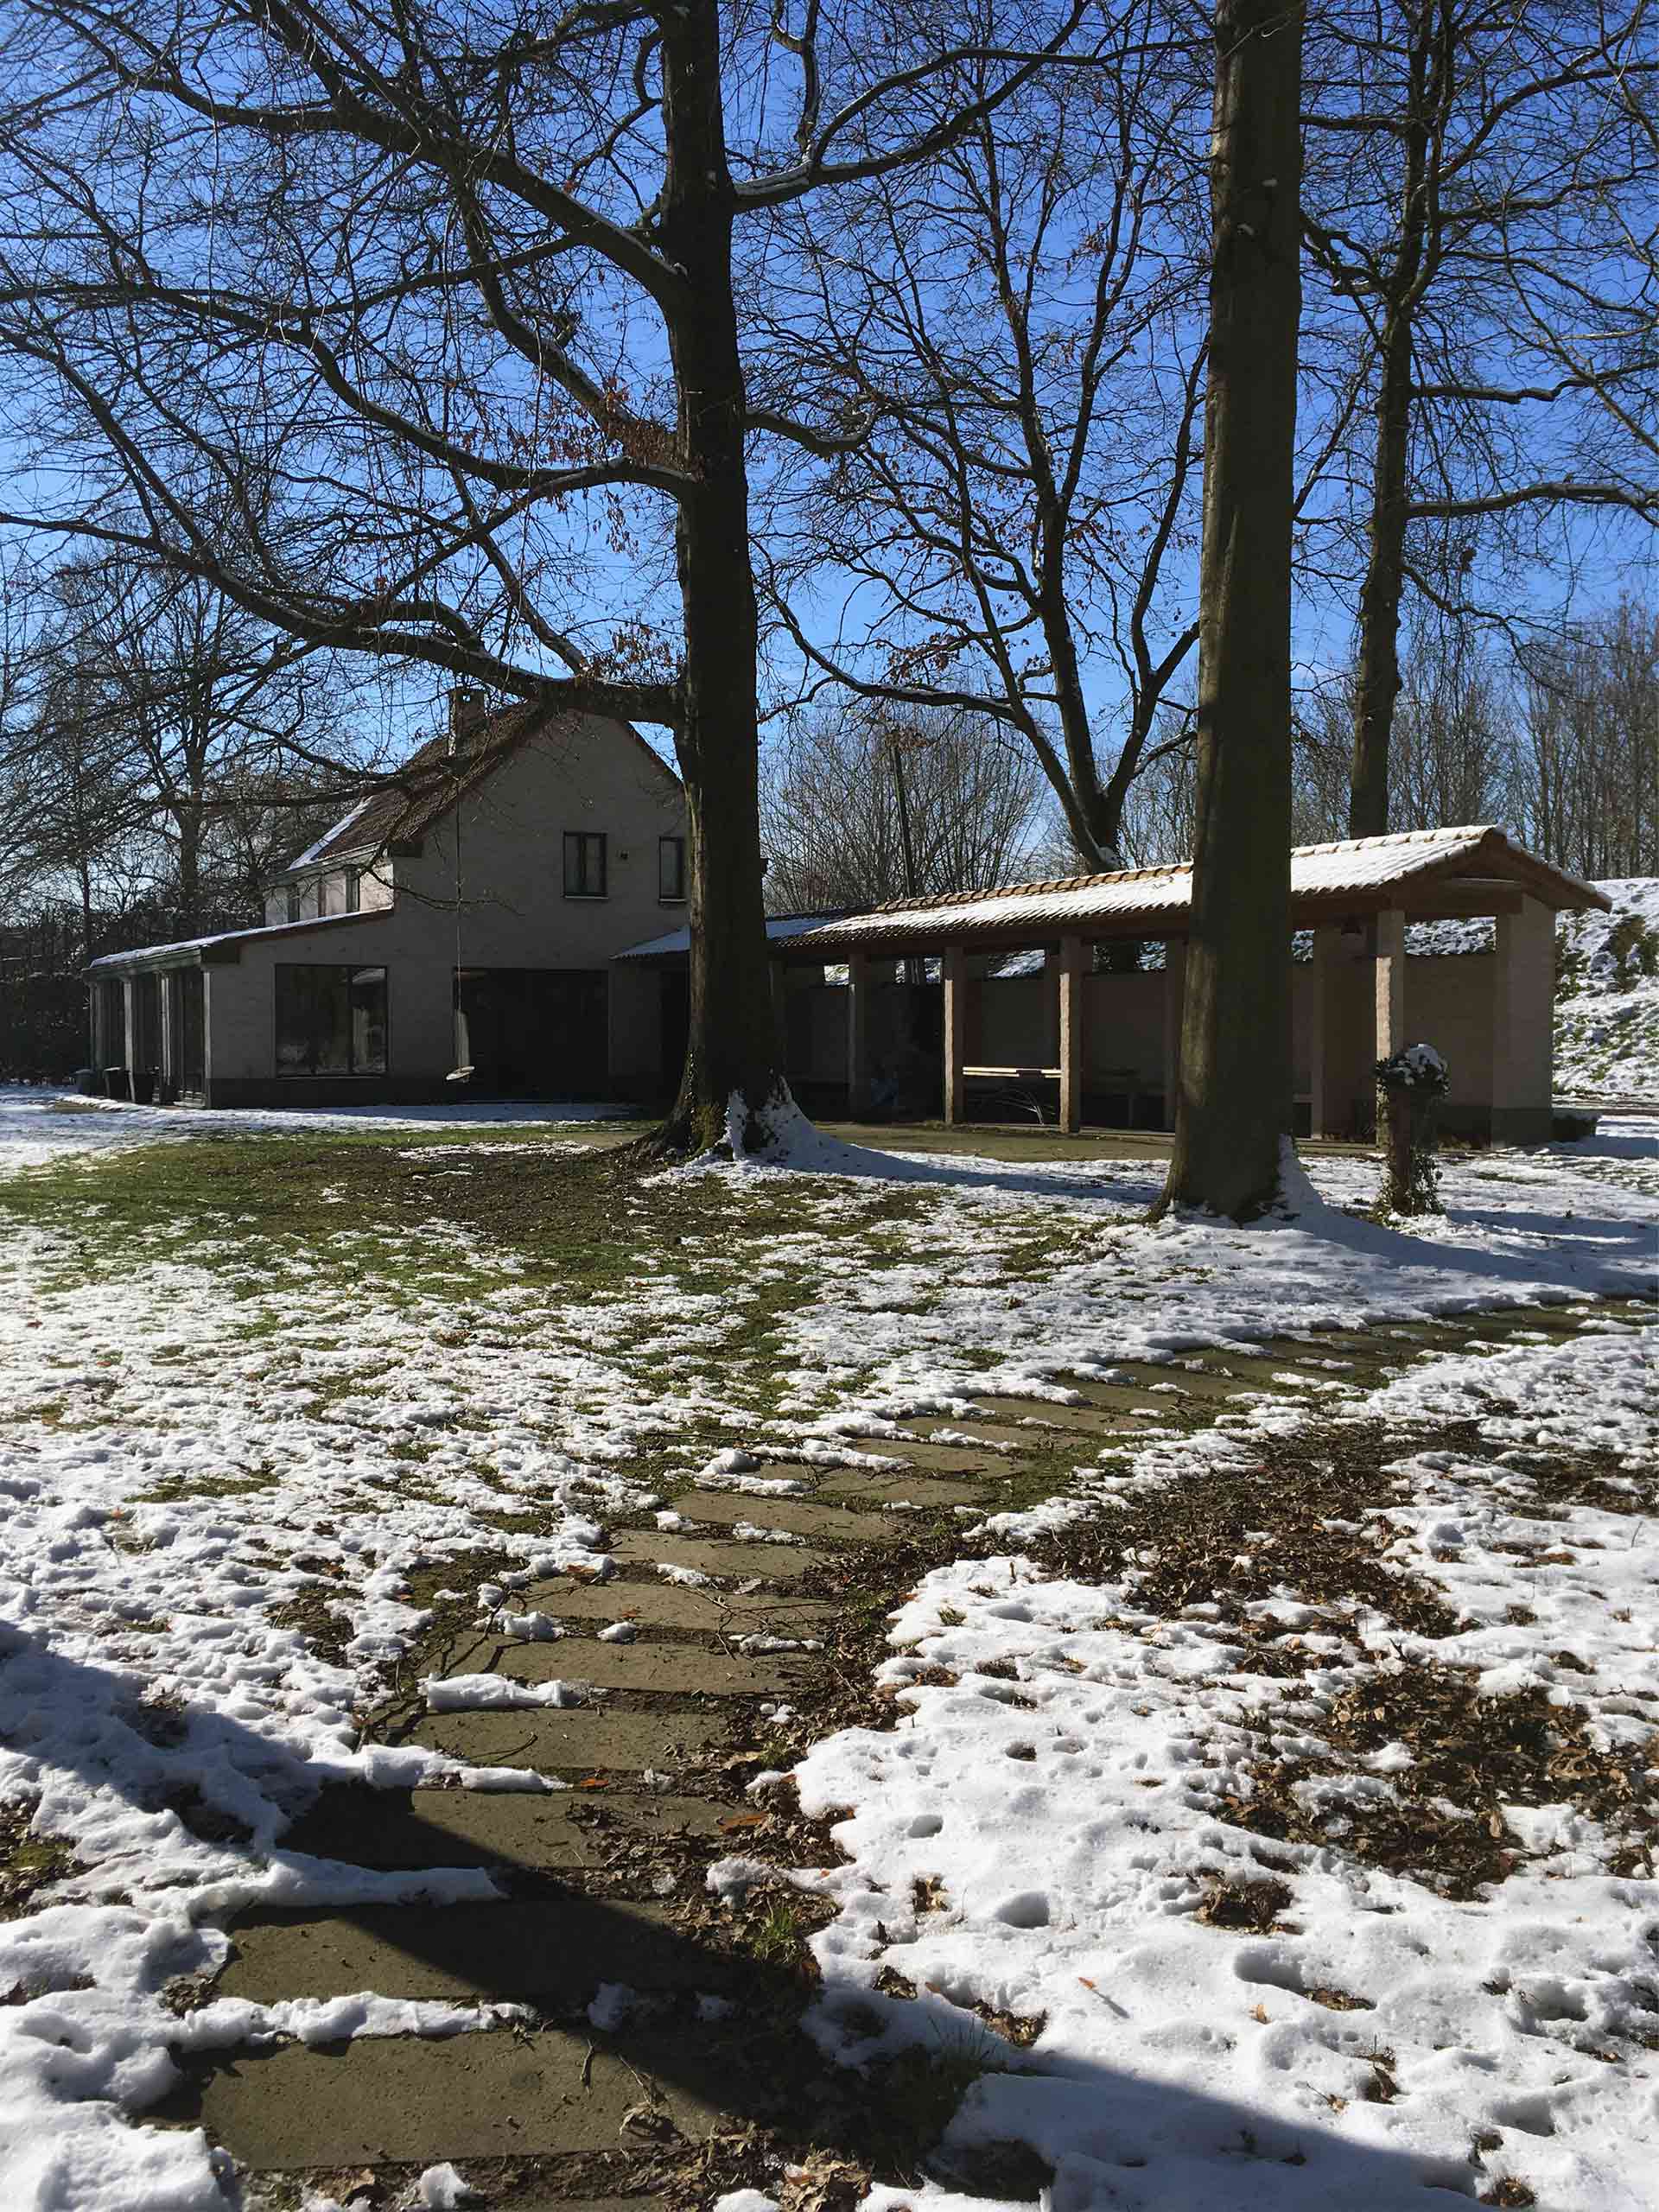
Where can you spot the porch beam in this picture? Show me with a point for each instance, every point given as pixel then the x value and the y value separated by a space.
pixel 858 1034
pixel 1323 1079
pixel 1174 1012
pixel 954 968
pixel 1390 981
pixel 1071 972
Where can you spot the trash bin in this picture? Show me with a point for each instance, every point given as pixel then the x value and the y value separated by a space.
pixel 87 1083
pixel 143 1086
pixel 117 1083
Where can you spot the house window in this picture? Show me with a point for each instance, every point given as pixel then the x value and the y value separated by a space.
pixel 671 867
pixel 330 1020
pixel 584 864
pixel 292 902
pixel 353 890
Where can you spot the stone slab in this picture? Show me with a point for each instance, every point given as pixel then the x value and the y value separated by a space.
pixel 672 1604
pixel 802 1517
pixel 691 1669
pixel 1095 1420
pixel 710 1556
pixel 557 1949
pixel 941 1458
pixel 395 1828
pixel 902 1489
pixel 1276 1376
pixel 582 1738
pixel 1026 1439
pixel 469 2096
pixel 1144 1373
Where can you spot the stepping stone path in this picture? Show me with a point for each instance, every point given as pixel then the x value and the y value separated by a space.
pixel 603 1901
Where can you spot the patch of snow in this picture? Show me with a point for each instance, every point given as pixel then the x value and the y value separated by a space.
pixel 496 1694
pixel 1054 1858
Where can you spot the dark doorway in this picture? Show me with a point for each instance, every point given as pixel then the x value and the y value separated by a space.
pixel 185 1072
pixel 534 1032
pixel 675 1026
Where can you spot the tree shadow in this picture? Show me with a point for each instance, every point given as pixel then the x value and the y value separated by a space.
pixel 653 2026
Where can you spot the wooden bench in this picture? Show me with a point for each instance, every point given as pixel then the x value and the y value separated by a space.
pixel 1125 1079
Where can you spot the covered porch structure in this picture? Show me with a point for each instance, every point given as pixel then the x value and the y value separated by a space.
pixel 1445 937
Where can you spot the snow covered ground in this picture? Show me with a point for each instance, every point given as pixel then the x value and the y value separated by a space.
pixel 237 1470
pixel 1069 1831
pixel 37 1125
pixel 1607 996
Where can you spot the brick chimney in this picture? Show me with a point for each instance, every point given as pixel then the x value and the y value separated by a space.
pixel 469 712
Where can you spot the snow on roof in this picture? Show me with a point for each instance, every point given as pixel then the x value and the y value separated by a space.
pixel 406 803
pixel 1360 867
pixel 178 952
pixel 333 836
pixel 778 926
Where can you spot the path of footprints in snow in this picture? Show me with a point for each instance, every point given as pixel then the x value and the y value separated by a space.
pixel 647 2027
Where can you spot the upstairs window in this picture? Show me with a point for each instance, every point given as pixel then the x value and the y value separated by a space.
pixel 671 867
pixel 330 1020
pixel 585 864
pixel 292 902
pixel 353 891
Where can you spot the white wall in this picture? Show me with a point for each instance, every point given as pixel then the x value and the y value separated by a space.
pixel 513 910
pixel 512 913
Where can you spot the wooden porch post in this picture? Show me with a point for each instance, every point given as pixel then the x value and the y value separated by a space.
pixel 1071 991
pixel 1323 1084
pixel 780 1015
pixel 1523 994
pixel 1390 981
pixel 858 1034
pixel 954 968
pixel 1174 997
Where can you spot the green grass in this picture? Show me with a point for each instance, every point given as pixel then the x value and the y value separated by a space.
pixel 298 1230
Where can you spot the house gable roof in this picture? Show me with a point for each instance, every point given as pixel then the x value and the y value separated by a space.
pixel 405 804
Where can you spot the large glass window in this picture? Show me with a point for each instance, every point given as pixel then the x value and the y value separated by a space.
pixel 584 864
pixel 331 1021
pixel 671 867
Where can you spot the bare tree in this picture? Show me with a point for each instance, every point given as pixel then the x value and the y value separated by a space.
pixel 1586 775
pixel 1233 1097
pixel 863 805
pixel 1475 180
pixel 1023 326
pixel 456 294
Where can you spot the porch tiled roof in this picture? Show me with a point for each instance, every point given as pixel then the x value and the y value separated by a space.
pixel 1363 869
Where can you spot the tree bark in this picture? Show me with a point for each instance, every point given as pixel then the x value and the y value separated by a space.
pixel 1233 1101
pixel 734 1054
pixel 1378 675
pixel 1377 686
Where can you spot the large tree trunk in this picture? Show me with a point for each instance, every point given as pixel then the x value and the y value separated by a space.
pixel 186 818
pixel 1233 1105
pixel 733 1058
pixel 1377 685
pixel 1378 688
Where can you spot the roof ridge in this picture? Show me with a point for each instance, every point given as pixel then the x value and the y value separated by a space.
pixel 925 902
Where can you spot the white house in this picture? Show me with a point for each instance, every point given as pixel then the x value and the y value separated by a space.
pixel 466 913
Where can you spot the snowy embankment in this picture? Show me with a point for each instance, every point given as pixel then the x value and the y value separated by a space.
pixel 1161 1835
pixel 1607 996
